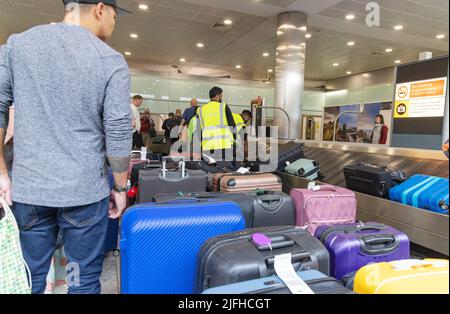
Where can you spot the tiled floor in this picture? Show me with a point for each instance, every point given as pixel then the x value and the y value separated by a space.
pixel 109 279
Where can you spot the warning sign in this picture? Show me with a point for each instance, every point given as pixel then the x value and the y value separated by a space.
pixel 421 99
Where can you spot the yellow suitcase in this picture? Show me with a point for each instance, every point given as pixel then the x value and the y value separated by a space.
pixel 429 276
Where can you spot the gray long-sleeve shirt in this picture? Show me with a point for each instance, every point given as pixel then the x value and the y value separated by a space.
pixel 71 94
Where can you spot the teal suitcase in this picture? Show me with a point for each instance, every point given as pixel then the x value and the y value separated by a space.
pixel 304 168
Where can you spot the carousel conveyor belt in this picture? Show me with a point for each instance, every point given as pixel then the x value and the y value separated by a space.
pixel 332 163
pixel 424 228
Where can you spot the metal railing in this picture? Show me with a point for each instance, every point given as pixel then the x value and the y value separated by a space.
pixel 230 105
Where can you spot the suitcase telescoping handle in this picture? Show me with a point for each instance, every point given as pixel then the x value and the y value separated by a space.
pixel 381 244
pixel 297 257
pixel 181 165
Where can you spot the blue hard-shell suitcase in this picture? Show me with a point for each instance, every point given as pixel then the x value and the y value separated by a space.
pixel 427 192
pixel 160 242
pixel 318 282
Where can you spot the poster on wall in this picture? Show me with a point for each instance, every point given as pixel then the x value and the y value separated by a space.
pixel 354 125
pixel 420 99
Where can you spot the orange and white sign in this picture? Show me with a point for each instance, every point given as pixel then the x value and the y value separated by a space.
pixel 421 99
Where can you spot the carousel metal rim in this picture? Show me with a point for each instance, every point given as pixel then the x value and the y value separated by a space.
pixel 425 228
pixel 377 149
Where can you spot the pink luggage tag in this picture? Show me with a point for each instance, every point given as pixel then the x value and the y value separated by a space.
pixel 262 240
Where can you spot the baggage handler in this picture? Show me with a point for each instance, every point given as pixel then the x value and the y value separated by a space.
pixel 217 127
pixel 72 113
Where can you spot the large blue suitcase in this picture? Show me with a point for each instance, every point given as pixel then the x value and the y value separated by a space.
pixel 318 282
pixel 160 242
pixel 427 192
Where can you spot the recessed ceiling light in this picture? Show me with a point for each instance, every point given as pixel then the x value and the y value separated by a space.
pixel 350 17
pixel 398 61
pixel 351 43
pixel 308 35
pixel 182 60
pixel 270 70
pixel 227 22
pixel 127 53
pixel 200 45
pixel 133 35
pixel 238 66
pixel 266 54
pixel 398 27
pixel 143 7
pixel 335 64
pixel 366 75
pixel 303 28
pixel 388 50
pixel 349 72
pixel 52 23
pixel 440 36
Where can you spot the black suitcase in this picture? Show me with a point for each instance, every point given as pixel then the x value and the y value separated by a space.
pixel 166 180
pixel 372 180
pixel 260 209
pixel 236 258
pixel 288 153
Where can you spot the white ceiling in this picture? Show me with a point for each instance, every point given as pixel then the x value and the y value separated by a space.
pixel 170 29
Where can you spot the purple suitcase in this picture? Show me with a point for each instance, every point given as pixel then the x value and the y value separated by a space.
pixel 353 246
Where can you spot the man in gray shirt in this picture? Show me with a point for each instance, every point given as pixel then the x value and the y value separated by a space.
pixel 71 95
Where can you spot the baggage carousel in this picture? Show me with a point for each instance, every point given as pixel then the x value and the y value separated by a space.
pixel 425 229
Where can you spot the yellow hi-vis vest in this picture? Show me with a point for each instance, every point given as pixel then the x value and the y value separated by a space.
pixel 240 124
pixel 216 134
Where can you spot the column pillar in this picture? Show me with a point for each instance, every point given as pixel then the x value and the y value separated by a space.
pixel 290 72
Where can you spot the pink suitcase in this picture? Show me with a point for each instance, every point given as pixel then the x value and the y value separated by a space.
pixel 328 205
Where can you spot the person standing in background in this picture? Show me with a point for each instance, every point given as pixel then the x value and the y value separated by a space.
pixel 60 169
pixel 136 116
pixel 380 131
pixel 168 125
pixel 178 118
pixel 188 114
pixel 148 130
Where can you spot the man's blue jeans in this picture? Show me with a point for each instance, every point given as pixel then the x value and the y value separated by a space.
pixel 83 231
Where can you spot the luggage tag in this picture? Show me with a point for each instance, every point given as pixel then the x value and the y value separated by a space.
pixel 313 187
pixel 286 272
pixel 143 153
pixel 243 170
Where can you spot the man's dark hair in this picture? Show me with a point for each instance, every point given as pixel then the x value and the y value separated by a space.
pixel 215 91
pixel 171 115
pixel 138 97
pixel 247 112
pixel 381 118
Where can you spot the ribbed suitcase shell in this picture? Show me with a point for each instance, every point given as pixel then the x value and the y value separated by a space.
pixel 426 192
pixel 404 277
pixel 234 258
pixel 352 246
pixel 318 282
pixel 160 243
pixel 250 182
pixel 328 206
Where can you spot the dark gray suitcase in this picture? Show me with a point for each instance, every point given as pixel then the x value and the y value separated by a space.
pixel 263 209
pixel 177 180
pixel 235 257
pixel 272 208
pixel 372 180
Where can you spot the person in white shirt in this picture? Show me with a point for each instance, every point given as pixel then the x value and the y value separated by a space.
pixel 136 122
